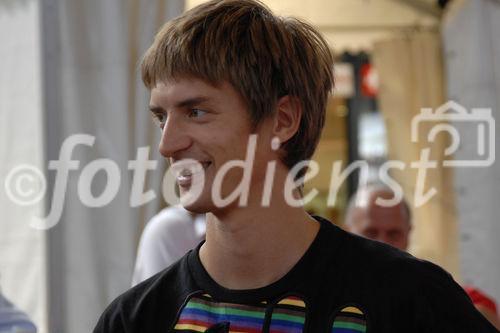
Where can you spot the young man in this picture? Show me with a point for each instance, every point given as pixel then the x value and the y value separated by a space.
pixel 220 76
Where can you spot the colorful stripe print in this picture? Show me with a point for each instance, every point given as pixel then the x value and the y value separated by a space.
pixel 288 316
pixel 201 313
pixel 349 320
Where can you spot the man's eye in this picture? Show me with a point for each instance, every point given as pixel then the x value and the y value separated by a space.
pixel 394 235
pixel 370 233
pixel 159 118
pixel 196 113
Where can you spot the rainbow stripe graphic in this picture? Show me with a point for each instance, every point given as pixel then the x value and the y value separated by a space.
pixel 288 316
pixel 349 320
pixel 201 313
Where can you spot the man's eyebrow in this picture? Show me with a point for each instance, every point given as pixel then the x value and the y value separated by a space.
pixel 154 108
pixel 191 101
pixel 182 104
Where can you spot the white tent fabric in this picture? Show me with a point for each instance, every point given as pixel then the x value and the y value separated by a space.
pixel 472 50
pixel 22 260
pixel 91 86
pixel 411 77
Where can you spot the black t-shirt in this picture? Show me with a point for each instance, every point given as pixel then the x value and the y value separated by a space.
pixel 342 284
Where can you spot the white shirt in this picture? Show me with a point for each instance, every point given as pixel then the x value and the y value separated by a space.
pixel 165 239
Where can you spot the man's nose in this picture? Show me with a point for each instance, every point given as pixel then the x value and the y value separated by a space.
pixel 174 137
pixel 381 237
pixel 384 238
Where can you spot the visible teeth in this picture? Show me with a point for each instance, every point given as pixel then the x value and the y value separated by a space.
pixel 185 170
pixel 184 180
pixel 186 167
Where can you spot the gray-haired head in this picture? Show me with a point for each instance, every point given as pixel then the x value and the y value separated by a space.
pixel 373 212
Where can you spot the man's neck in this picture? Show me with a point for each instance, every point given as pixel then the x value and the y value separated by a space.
pixel 252 247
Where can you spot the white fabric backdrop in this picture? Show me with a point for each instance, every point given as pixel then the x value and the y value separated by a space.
pixel 22 260
pixel 472 50
pixel 91 85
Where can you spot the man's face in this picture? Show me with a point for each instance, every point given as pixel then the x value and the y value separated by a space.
pixel 385 224
pixel 210 125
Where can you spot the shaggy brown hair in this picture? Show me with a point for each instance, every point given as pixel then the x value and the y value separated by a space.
pixel 263 56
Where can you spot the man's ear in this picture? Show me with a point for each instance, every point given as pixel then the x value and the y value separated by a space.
pixel 287 118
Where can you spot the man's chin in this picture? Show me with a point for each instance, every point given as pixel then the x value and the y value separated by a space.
pixel 197 207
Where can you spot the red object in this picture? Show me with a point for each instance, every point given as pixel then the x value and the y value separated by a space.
pixel 369 80
pixel 480 298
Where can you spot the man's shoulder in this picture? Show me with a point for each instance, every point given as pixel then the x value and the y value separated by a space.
pixel 172 281
pixel 421 293
pixel 139 305
pixel 356 249
pixel 378 261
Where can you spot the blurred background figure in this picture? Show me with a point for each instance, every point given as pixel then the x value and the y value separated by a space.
pixel 167 237
pixel 485 304
pixel 13 320
pixel 365 216
pixel 390 225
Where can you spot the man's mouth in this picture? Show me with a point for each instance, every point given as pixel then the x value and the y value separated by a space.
pixel 186 172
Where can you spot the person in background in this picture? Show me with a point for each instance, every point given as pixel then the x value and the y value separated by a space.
pixel 13 320
pixel 165 239
pixel 392 225
pixel 485 304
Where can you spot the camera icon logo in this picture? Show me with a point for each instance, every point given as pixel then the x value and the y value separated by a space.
pixel 452 111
